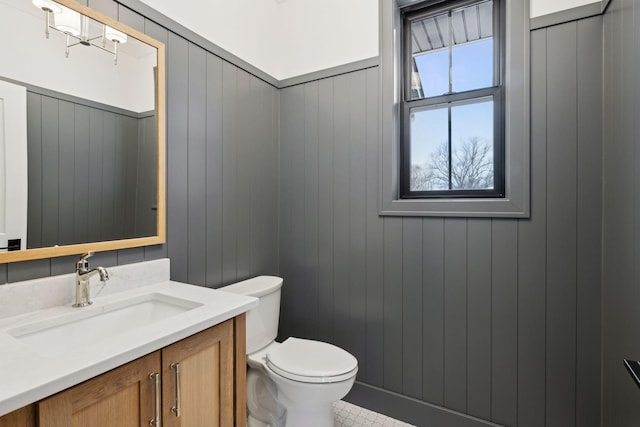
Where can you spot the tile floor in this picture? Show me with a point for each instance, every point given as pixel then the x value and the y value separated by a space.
pixel 348 415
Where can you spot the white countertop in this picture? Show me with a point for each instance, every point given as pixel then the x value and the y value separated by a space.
pixel 29 373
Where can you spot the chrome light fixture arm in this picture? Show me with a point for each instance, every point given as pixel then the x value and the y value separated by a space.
pixel 78 28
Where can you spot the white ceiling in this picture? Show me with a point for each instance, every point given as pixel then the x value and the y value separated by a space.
pixel 288 38
pixel 284 38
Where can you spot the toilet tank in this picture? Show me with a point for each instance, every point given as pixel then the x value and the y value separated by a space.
pixel 262 321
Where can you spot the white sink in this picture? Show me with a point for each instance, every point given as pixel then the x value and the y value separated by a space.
pixel 89 325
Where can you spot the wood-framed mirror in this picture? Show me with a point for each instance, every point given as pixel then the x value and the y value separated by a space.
pixel 82 109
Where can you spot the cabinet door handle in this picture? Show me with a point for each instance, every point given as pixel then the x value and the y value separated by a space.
pixel 156 377
pixel 176 409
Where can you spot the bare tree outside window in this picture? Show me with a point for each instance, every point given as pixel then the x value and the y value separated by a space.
pixel 471 168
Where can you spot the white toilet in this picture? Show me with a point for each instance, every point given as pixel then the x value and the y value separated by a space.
pixel 293 383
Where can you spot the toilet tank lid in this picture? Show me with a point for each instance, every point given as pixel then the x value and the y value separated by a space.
pixel 255 287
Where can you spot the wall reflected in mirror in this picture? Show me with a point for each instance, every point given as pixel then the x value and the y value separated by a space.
pixel 91 127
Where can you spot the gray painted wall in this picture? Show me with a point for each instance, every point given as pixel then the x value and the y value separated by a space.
pixel 84 173
pixel 222 177
pixel 497 319
pixel 146 194
pixel 621 229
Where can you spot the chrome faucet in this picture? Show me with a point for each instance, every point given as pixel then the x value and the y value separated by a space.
pixel 83 274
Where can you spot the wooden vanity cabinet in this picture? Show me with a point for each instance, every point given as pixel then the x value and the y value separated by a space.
pixel 124 397
pixel 197 379
pixel 23 417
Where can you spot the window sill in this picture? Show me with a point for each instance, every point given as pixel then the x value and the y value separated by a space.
pixel 504 208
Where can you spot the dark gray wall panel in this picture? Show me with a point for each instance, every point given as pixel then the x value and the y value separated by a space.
pixel 411 306
pixel 264 195
pixel 561 228
pixel 341 200
pixel 504 321
pixel 214 170
pixel 325 201
pixel 230 195
pixel 392 301
pixel 83 200
pixel 244 176
pixel 34 156
pixel 106 225
pixel 63 265
pixel 357 212
pixel 223 163
pixel 433 310
pixel 50 171
pixel 589 244
pixel 81 189
pixel 621 168
pixel 532 256
pixel 177 155
pixel 483 317
pixel 146 182
pixel 455 313
pixel 96 147
pixel 293 120
pixel 66 150
pixel 296 218
pixel 197 165
pixel 479 317
pixel 310 200
pixel 27 270
pixel 372 363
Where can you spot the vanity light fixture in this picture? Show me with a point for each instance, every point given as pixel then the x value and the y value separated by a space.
pixel 49 8
pixel 78 28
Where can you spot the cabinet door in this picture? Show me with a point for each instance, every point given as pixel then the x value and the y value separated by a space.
pixel 123 397
pixel 23 417
pixel 197 379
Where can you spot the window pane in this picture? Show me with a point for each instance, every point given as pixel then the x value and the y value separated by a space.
pixel 472 145
pixel 433 74
pixel 472 65
pixel 472 51
pixel 453 51
pixel 430 50
pixel 429 148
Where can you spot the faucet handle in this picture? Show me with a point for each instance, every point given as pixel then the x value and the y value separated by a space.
pixel 83 263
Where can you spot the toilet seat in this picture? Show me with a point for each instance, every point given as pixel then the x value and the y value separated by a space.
pixel 311 361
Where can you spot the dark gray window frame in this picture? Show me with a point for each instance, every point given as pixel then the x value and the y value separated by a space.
pixel 495 92
pixel 516 133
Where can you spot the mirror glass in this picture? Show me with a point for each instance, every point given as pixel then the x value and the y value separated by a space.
pixel 87 94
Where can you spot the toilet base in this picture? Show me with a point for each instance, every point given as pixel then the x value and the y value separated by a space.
pixel 252 422
pixel 309 404
pixel 318 416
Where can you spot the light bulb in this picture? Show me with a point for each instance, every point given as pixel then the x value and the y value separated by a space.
pixel 47 5
pixel 115 35
pixel 69 22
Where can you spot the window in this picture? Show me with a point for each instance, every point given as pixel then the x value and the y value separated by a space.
pixel 452 122
pixel 454 108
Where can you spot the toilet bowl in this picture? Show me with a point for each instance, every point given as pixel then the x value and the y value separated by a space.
pixel 293 383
